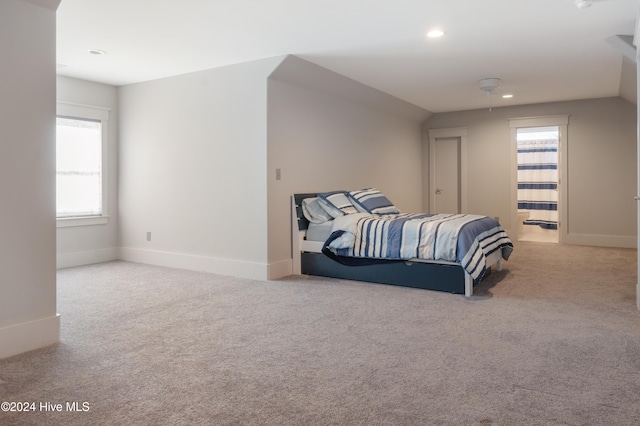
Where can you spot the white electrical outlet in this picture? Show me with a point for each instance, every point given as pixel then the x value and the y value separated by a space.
pixel 148 236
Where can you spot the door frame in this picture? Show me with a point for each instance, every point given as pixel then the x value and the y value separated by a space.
pixel 561 121
pixel 459 133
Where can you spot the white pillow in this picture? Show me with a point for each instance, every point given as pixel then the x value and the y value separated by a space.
pixel 314 212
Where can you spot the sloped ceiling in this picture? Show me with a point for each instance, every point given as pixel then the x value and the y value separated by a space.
pixel 543 50
pixel 49 4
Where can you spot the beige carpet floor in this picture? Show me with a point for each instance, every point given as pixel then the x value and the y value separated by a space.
pixel 553 339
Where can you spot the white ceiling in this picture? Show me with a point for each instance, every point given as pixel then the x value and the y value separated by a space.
pixel 543 50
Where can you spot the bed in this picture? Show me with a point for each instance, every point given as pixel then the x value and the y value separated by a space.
pixel 360 235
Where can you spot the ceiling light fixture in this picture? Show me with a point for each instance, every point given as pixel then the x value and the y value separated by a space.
pixel 435 33
pixel 507 96
pixel 583 4
pixel 96 52
pixel 489 85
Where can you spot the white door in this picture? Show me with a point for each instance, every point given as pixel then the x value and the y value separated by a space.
pixel 446 194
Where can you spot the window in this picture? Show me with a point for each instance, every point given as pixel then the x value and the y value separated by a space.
pixel 80 165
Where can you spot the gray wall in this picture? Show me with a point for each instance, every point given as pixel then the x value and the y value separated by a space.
pixel 28 317
pixel 629 80
pixel 601 150
pixel 198 154
pixel 193 170
pixel 327 132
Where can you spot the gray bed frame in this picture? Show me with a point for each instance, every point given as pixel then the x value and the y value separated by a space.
pixel 418 273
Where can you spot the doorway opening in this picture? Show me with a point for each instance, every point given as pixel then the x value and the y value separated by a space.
pixel 538 180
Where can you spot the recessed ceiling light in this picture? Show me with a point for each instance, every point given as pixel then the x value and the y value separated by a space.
pixel 507 96
pixel 583 4
pixel 97 52
pixel 435 33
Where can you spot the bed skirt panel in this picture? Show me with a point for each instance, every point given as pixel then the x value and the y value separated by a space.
pixel 429 276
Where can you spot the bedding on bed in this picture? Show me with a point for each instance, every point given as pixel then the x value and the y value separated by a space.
pixel 462 238
pixel 314 212
pixel 318 231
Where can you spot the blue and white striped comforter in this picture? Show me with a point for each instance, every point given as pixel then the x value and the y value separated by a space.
pixel 462 238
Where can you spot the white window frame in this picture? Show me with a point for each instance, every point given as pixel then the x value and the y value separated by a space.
pixel 87 112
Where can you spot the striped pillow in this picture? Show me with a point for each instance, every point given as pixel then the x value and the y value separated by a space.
pixel 372 201
pixel 336 203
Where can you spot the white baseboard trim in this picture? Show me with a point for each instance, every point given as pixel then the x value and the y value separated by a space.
pixel 277 270
pixel 235 268
pixel 87 257
pixel 601 240
pixel 27 336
